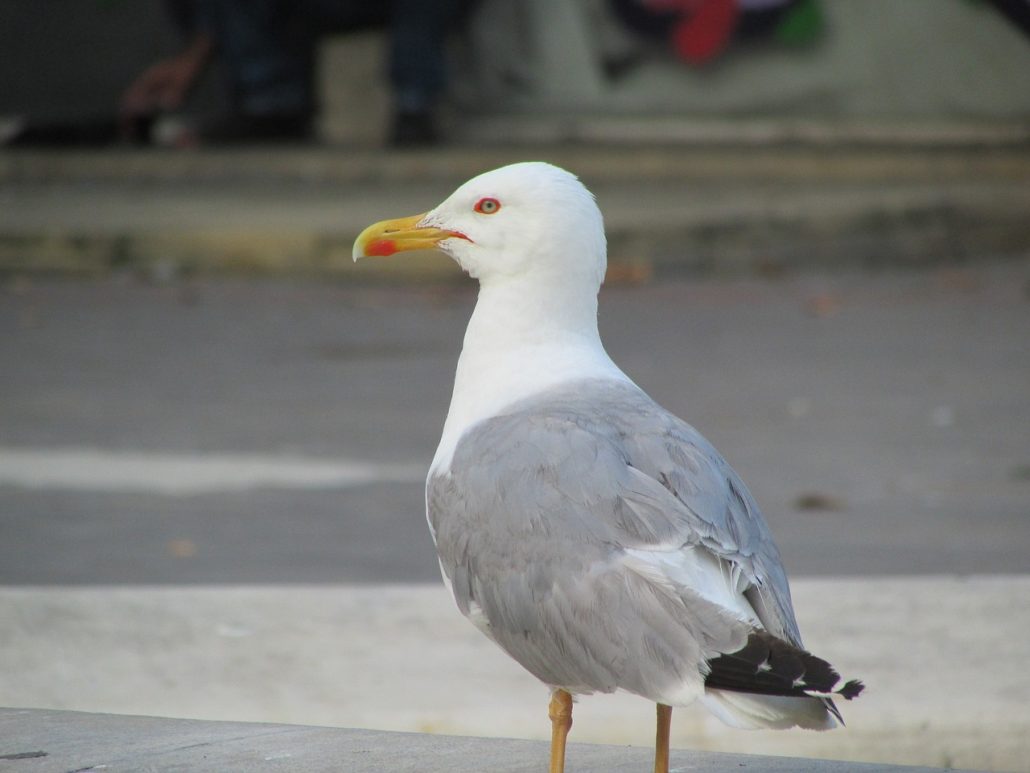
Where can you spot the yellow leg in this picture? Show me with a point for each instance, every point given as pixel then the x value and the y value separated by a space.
pixel 661 740
pixel 560 712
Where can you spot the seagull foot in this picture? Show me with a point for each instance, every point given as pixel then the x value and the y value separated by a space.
pixel 560 712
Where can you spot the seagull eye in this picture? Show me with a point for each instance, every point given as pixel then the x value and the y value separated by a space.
pixel 487 206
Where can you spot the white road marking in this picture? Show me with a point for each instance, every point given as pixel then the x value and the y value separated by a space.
pixel 86 469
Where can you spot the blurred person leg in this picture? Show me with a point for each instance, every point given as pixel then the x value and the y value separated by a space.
pixel 269 48
pixel 418 65
pixel 419 30
pixel 1016 11
pixel 163 87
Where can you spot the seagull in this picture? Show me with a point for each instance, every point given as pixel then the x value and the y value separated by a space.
pixel 599 540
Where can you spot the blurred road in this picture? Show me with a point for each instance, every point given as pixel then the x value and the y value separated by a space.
pixel 246 431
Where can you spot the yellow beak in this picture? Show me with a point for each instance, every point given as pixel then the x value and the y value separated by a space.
pixel 400 235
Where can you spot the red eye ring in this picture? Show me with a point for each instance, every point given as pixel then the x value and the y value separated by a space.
pixel 487 206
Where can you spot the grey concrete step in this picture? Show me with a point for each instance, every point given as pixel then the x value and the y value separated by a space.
pixel 402 658
pixel 733 158
pixel 60 741
pixel 695 209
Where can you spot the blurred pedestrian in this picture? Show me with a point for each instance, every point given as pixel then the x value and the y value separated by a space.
pixel 1016 11
pixel 268 50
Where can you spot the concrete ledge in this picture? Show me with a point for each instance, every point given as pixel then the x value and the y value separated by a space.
pixel 669 210
pixel 651 161
pixel 43 741
pixel 401 658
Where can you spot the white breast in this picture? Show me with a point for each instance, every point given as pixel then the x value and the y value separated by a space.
pixel 487 381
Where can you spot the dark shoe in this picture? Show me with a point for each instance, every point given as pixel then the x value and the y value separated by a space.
pixel 241 129
pixel 85 133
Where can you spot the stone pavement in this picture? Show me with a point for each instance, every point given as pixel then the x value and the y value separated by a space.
pixel 58 742
pixel 935 651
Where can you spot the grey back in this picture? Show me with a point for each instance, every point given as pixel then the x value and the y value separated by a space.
pixel 541 503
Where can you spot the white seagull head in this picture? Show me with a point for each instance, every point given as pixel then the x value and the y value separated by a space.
pixel 530 219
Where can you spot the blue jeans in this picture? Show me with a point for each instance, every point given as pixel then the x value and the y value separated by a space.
pixel 268 46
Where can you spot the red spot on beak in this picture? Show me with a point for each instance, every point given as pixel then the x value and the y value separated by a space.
pixel 381 247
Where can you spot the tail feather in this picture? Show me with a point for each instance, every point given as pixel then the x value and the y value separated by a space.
pixel 776 712
pixel 767 665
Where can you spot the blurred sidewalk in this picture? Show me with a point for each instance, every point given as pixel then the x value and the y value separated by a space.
pixel 767 202
pixel 935 652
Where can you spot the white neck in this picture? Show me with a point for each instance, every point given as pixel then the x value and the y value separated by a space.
pixel 525 336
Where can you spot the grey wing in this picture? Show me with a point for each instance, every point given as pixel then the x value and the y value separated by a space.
pixel 712 507
pixel 678 493
pixel 533 564
pixel 550 523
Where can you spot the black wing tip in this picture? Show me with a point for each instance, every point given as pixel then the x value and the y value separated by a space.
pixel 851 689
pixel 771 666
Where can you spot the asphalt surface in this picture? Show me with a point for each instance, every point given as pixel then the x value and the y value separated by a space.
pixel 880 419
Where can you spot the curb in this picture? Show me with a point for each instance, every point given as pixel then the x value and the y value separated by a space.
pixel 747 237
pixel 669 211
pixel 58 741
pixel 595 163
